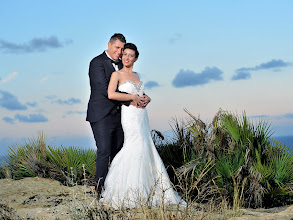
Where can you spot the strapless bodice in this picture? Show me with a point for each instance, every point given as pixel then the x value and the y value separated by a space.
pixel 131 88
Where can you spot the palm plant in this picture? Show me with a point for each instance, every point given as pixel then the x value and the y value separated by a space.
pixel 268 167
pixel 26 160
pixel 2 172
pixel 65 164
pixel 275 173
pixel 70 160
pixel 230 168
pixel 249 167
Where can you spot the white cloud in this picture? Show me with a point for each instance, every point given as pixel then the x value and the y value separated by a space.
pixel 10 77
pixel 44 79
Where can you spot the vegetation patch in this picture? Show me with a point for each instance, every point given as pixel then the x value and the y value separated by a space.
pixel 218 167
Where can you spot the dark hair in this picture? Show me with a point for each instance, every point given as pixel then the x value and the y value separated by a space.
pixel 117 36
pixel 132 47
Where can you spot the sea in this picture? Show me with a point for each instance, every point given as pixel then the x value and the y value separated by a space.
pixel 288 140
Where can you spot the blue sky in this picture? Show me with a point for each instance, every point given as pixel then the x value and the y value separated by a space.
pixel 199 55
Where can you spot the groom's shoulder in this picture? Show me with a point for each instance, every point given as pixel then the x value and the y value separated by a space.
pixel 99 58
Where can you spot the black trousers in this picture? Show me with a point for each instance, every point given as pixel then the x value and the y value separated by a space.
pixel 109 139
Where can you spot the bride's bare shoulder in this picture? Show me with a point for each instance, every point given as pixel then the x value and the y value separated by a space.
pixel 121 73
pixel 136 74
pixel 116 75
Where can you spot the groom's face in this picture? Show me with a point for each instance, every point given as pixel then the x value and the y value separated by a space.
pixel 115 49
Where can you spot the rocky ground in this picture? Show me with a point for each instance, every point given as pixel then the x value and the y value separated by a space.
pixel 283 213
pixel 38 198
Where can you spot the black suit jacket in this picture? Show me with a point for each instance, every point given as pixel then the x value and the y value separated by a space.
pixel 100 72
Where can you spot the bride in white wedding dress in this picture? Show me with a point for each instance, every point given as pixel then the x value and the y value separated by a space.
pixel 137 175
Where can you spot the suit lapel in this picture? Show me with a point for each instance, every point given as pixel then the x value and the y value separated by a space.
pixel 109 68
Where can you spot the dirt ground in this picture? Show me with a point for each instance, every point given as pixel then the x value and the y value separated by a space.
pixel 39 198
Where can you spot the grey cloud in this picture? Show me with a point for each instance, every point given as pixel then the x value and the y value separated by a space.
pixel 244 72
pixel 31 118
pixel 151 84
pixel 175 38
pixel 10 102
pixel 76 112
pixel 241 75
pixel 32 104
pixel 189 78
pixel 8 120
pixel 272 64
pixel 34 45
pixel 71 101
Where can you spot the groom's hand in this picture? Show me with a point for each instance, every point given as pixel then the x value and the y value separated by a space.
pixel 145 101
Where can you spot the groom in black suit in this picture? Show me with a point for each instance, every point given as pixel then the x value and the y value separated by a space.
pixel 104 114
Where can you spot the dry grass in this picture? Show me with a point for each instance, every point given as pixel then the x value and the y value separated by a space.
pixel 213 208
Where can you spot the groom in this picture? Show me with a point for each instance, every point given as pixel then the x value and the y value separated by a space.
pixel 104 114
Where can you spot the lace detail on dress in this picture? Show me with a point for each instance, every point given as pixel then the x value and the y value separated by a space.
pixel 135 89
pixel 132 82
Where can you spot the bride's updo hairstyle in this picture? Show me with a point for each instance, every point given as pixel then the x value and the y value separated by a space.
pixel 132 47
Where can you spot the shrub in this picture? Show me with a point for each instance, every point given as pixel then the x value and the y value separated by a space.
pixel 248 167
pixel 35 158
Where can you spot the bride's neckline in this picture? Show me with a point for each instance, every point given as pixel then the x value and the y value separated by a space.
pixel 137 85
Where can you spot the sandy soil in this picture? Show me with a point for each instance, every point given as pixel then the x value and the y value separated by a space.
pixel 38 198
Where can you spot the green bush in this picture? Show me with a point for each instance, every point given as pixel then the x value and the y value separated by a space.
pixel 249 167
pixel 66 164
pixel 2 173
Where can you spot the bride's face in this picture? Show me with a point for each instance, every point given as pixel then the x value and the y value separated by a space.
pixel 128 57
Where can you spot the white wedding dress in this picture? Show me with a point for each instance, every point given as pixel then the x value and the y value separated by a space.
pixel 137 175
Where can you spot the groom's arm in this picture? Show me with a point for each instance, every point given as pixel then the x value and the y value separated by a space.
pixel 127 103
pixel 98 77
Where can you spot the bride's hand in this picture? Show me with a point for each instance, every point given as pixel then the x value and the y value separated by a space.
pixel 145 101
pixel 136 101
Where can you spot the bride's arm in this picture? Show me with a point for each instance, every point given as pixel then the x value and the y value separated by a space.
pixel 112 94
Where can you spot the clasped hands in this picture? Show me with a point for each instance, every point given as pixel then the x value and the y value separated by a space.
pixel 140 101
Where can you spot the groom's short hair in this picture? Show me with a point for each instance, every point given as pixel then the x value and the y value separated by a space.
pixel 117 36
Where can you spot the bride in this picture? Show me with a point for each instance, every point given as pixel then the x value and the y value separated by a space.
pixel 137 175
